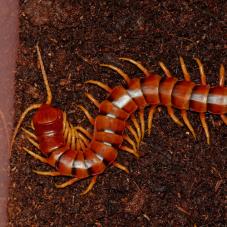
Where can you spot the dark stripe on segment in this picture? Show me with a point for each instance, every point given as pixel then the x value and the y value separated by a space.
pixel 181 94
pixel 150 88
pixel 135 91
pixel 107 152
pixel 93 162
pixel 79 166
pixel 198 100
pixel 217 100
pixel 55 156
pixel 120 98
pixel 66 161
pixel 165 90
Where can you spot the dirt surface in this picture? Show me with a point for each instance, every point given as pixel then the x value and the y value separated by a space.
pixel 177 181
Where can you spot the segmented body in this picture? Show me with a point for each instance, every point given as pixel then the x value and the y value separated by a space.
pixel 56 140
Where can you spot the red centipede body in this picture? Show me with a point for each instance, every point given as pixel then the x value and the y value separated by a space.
pixel 55 139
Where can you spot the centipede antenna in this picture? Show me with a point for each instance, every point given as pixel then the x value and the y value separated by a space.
pixel 87 114
pixel 165 69
pixel 23 115
pixel 92 99
pixel 201 70
pixel 222 76
pixel 138 64
pixel 49 94
pixel 100 84
pixel 119 71
pixel 184 70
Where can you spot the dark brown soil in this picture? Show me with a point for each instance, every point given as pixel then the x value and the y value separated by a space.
pixel 177 181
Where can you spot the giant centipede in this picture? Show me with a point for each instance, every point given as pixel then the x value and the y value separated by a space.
pixel 74 152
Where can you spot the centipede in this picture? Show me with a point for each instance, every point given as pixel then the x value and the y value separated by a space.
pixel 120 123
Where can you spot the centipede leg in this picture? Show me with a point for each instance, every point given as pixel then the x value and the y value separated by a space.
pixel 30 134
pixel 119 71
pixel 184 70
pixel 136 124
pixel 142 123
pixel 90 186
pixel 67 183
pixel 165 69
pixel 205 126
pixel 173 116
pixel 47 173
pixel 187 122
pixel 92 99
pixel 222 76
pixel 87 114
pixel 36 156
pixel 84 131
pixel 35 144
pixel 201 70
pixel 133 132
pixel 224 118
pixel 100 84
pixel 130 141
pixel 139 65
pixel 129 150
pixel 150 118
pixel 119 166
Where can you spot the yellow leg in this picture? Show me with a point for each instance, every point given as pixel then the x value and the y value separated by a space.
pixel 92 99
pixel 33 142
pixel 142 123
pixel 133 132
pixel 100 84
pixel 90 186
pixel 173 116
pixel 184 70
pixel 136 124
pixel 150 118
pixel 130 141
pixel 119 166
pixel 67 183
pixel 222 76
pixel 165 69
pixel 139 65
pixel 47 173
pixel 187 122
pixel 36 156
pixel 83 138
pixel 23 115
pixel 73 138
pixel 30 134
pixel 119 71
pixel 205 126
pixel 201 70
pixel 224 118
pixel 129 150
pixel 84 131
pixel 87 114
